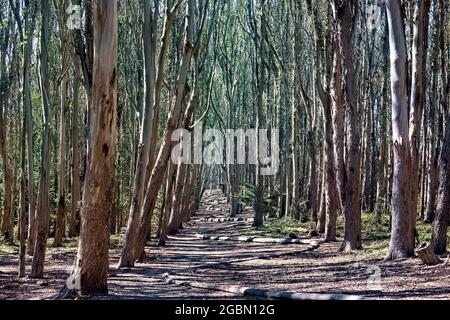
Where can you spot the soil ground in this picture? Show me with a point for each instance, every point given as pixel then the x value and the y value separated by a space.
pixel 287 267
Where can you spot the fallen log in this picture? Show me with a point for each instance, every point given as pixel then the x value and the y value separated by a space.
pixel 310 242
pixel 202 236
pixel 256 292
pixel 226 220
pixel 426 254
pixel 243 239
pixel 272 240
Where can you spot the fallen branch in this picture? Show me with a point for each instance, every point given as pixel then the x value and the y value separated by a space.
pixel 256 292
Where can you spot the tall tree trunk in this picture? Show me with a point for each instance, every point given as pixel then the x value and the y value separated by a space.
pixel 157 175
pixel 417 101
pixel 60 213
pixel 182 168
pixel 440 224
pixel 127 256
pixel 295 181
pixel 259 189
pixel 382 168
pixel 75 187
pixel 348 156
pixel 434 153
pixel 22 221
pixel 5 123
pixel 159 78
pixel 381 198
pixel 27 49
pixel 402 233
pixel 92 263
pixel 338 122
pixel 43 205
pixel 330 175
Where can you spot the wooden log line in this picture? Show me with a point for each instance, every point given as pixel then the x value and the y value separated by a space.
pixel 226 220
pixel 256 292
pixel 258 239
pixel 217 264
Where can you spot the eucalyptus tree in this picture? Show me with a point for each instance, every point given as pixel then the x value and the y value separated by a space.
pixel 440 224
pixel 65 57
pixel 5 115
pixel 152 104
pixel 92 262
pixel 402 234
pixel 161 162
pixel 143 154
pixel 417 99
pixel 43 201
pixel 260 85
pixel 345 114
pixel 230 54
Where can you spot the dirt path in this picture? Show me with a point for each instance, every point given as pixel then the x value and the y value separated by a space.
pixel 292 268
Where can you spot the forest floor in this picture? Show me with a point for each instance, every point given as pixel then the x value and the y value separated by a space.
pixel 281 267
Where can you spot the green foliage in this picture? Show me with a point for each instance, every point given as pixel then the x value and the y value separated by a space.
pixel 279 228
pixel 247 196
pixel 375 236
pixel 8 249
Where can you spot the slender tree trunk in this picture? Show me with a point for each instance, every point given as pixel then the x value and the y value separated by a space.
pixel 6 226
pixel 167 204
pixel 259 190
pixel 417 101
pixel 159 78
pixel 127 256
pixel 157 175
pixel 382 194
pixel 75 187
pixel 5 123
pixel 60 219
pixel 330 175
pixel 338 122
pixel 43 205
pixel 295 181
pixel 322 203
pixel 27 50
pixel 434 154
pixel 22 223
pixel 182 168
pixel 22 228
pixel 175 212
